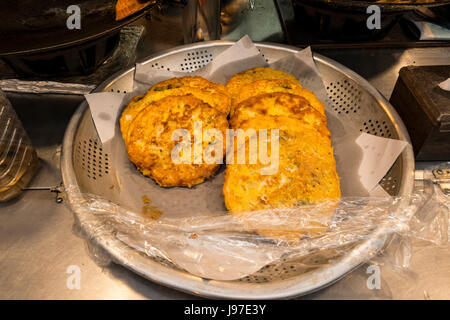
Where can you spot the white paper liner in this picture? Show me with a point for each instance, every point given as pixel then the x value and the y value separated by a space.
pixel 445 85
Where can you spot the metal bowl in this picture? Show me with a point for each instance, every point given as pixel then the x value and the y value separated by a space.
pixel 354 100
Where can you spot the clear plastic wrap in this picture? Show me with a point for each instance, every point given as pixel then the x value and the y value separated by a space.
pixel 224 247
pixel 431 223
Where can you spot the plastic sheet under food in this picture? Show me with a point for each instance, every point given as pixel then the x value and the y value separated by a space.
pixel 224 247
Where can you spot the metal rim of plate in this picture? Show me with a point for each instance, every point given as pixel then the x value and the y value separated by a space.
pixel 352 97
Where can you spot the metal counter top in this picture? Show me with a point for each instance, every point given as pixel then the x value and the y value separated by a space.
pixel 38 243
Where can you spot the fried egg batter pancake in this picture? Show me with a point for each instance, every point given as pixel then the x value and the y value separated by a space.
pixel 209 92
pixel 212 93
pixel 303 178
pixel 280 105
pixel 259 87
pixel 306 171
pixel 306 165
pixel 150 144
pixel 239 80
pixel 129 113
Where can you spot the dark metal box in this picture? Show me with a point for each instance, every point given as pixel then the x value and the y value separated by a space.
pixel 425 109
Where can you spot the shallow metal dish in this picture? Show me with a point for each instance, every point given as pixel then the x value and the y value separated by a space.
pixel 354 99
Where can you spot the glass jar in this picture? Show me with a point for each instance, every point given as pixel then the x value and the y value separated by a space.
pixel 18 158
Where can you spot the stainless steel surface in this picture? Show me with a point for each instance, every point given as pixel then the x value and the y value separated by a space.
pixel 354 101
pixel 381 66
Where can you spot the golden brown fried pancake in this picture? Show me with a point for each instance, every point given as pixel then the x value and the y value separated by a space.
pixel 239 80
pixel 128 114
pixel 187 81
pixel 306 175
pixel 150 144
pixel 278 105
pixel 212 93
pixel 259 87
pixel 209 92
pixel 306 166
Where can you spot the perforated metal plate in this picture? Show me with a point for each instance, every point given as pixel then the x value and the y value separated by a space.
pixel 85 164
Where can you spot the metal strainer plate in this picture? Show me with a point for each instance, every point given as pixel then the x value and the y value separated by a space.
pixel 85 164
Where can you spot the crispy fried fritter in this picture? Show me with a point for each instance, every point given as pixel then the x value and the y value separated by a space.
pixel 306 172
pixel 150 143
pixel 259 87
pixel 306 166
pixel 187 81
pixel 239 80
pixel 280 105
pixel 209 92
pixel 212 93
